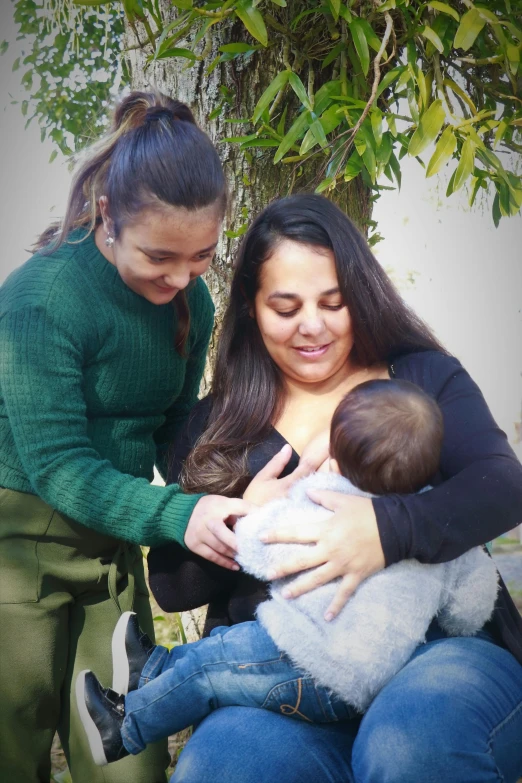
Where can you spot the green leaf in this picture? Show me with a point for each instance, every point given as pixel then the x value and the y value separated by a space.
pixel 361 45
pixel 470 26
pixel 334 6
pixel 333 54
pixel 296 131
pixel 299 89
pixel 429 126
pixel 444 8
pixel 16 64
pixel 238 48
pixel 330 120
pixel 371 36
pixel 280 3
pixel 324 185
pixel 53 156
pixel 496 210
pixel 466 163
pixel 90 2
pixel 499 135
pixel 389 78
pixel 4 46
pixel 376 120
pixel 260 143
pixel 177 52
pixel 318 132
pixel 387 6
pixel 269 94
pixel 185 5
pixel 252 20
pixel 396 168
pixel 431 35
pixel 460 92
pixel 443 152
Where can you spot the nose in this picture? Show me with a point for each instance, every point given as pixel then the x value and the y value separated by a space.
pixel 177 276
pixel 312 323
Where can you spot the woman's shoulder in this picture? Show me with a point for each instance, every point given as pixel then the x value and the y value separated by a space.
pixel 49 281
pixel 429 369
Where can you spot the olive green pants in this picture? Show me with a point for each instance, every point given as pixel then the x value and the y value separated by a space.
pixel 62 590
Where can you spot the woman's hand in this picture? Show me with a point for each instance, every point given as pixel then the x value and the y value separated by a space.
pixel 266 485
pixel 209 533
pixel 347 545
pixel 317 451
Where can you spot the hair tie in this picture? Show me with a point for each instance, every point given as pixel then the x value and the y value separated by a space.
pixel 157 113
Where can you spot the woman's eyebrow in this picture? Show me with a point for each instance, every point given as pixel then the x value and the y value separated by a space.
pixel 156 251
pixel 285 295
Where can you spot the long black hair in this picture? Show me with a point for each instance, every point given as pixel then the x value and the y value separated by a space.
pixel 248 389
pixel 153 156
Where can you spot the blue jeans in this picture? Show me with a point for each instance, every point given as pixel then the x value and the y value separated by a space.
pixel 239 666
pixel 453 714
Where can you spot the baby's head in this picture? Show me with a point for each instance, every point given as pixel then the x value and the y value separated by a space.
pixel 386 437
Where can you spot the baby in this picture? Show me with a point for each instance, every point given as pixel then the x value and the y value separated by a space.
pixel 385 437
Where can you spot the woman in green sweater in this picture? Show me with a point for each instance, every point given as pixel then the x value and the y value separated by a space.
pixel 103 336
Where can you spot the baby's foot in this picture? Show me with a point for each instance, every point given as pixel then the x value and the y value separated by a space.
pixel 130 651
pixel 102 712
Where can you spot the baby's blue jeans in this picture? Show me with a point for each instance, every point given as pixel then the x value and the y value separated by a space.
pixel 239 666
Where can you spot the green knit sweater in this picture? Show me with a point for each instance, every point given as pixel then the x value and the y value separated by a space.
pixel 92 391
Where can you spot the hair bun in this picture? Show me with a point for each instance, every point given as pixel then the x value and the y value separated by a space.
pixel 157 113
pixel 140 108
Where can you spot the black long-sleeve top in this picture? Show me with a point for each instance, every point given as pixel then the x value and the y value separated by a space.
pixel 477 496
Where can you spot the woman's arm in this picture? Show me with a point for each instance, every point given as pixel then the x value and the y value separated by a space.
pixel 181 581
pixel 480 496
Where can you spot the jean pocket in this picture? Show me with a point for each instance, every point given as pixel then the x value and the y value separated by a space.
pixel 301 699
pixel 24 521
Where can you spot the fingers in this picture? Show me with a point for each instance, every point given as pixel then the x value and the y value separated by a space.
pixel 304 468
pixel 319 576
pixel 291 535
pixel 224 540
pixel 274 468
pixel 345 591
pixel 310 559
pixel 237 507
pixel 327 498
pixel 214 557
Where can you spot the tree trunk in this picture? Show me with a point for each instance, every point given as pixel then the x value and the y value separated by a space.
pixel 252 177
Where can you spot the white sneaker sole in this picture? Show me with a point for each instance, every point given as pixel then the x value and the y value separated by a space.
pixel 120 662
pixel 93 735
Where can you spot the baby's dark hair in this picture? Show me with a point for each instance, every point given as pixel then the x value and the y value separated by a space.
pixel 386 436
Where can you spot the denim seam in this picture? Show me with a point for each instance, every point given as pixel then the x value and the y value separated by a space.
pixel 498 728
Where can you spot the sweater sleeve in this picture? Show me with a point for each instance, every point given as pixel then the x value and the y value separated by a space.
pixel 480 496
pixel 41 380
pixel 203 320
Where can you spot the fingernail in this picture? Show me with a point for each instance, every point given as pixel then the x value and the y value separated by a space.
pixel 328 616
pixel 235 567
pixel 286 593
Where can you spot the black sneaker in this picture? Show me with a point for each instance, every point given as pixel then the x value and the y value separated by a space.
pixel 130 651
pixel 102 712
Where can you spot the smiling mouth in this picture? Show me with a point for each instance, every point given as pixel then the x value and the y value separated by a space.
pixel 312 350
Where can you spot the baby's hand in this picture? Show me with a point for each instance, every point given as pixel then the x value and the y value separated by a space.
pixel 266 485
pixel 316 452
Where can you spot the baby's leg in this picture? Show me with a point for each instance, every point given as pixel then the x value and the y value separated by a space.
pixel 238 666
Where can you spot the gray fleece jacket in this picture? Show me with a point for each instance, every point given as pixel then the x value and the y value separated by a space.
pixel 376 633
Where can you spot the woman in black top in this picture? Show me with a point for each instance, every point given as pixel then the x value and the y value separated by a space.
pixel 311 315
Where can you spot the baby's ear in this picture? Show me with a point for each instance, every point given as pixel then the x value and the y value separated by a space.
pixel 334 466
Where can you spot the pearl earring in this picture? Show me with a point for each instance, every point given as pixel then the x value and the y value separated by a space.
pixel 109 241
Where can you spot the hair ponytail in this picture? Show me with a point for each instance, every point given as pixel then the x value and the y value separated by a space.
pixel 153 155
